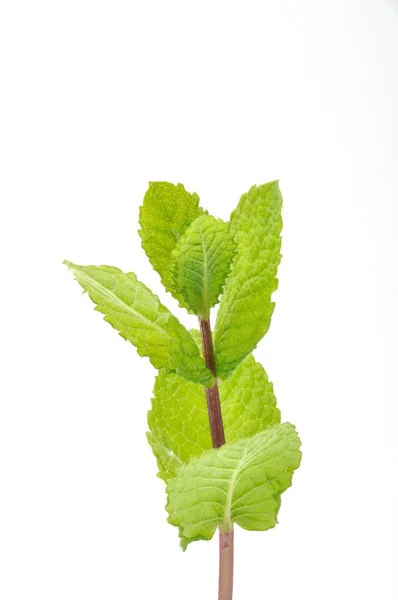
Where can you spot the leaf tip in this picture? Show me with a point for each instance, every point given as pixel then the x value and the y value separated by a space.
pixel 71 266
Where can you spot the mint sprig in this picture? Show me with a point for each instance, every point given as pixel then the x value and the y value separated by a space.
pixel 214 426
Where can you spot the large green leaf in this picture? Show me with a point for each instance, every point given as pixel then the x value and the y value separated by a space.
pixel 202 260
pixel 179 422
pixel 238 483
pixel 245 309
pixel 166 212
pixel 131 308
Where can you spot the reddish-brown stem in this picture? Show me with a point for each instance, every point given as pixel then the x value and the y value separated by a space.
pixel 225 582
pixel 207 344
pixel 212 395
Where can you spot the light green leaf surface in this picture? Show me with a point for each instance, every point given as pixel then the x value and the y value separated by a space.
pixel 248 401
pixel 245 309
pixel 238 483
pixel 166 212
pixel 131 308
pixel 185 541
pixel 202 260
pixel 179 422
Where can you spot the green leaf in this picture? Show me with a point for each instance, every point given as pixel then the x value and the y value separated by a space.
pixel 168 461
pixel 131 308
pixel 248 401
pixel 202 260
pixel 245 309
pixel 238 483
pixel 179 422
pixel 166 212
pixel 185 541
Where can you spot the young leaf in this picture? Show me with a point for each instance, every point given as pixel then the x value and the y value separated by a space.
pixel 166 212
pixel 245 309
pixel 238 483
pixel 202 259
pixel 131 308
pixel 179 422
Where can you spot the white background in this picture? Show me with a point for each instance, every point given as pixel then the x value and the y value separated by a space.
pixel 97 99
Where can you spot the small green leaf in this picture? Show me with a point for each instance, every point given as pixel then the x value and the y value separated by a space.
pixel 131 308
pixel 166 212
pixel 202 259
pixel 179 422
pixel 238 483
pixel 245 309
